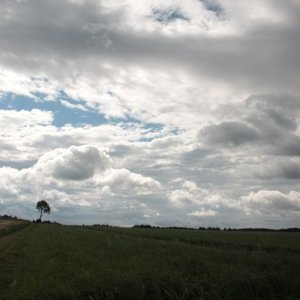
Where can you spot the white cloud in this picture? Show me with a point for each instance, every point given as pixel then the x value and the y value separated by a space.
pixel 204 213
pixel 73 106
pixel 25 83
pixel 272 202
pixel 177 73
pixel 74 163
pixel 118 80
pixel 13 120
pixel 190 195
pixel 54 175
pixel 124 179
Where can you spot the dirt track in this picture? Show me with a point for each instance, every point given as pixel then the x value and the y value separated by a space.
pixel 11 245
pixel 9 242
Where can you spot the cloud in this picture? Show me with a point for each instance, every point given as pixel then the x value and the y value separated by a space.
pixel 288 145
pixel 204 213
pixel 272 202
pixel 73 106
pixel 194 104
pixel 13 120
pixel 283 168
pixel 74 163
pixel 267 123
pixel 22 83
pixel 192 196
pixel 111 52
pixel 122 179
pixel 52 177
pixel 29 135
pixel 10 182
pixel 228 134
pixel 281 112
pixel 167 16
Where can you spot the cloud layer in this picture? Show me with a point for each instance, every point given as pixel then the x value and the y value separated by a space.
pixel 189 111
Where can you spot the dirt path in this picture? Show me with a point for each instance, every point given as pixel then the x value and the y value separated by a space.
pixel 11 246
pixel 9 242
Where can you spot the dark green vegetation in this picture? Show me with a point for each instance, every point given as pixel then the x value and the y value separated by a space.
pixel 13 234
pixel 68 262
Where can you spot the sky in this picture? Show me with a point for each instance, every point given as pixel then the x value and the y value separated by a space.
pixel 161 112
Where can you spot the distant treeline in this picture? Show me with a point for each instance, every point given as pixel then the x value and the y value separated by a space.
pixel 104 225
pixel 294 229
pixel 147 226
pixel 45 222
pixel 8 217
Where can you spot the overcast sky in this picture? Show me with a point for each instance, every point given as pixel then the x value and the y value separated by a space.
pixel 162 112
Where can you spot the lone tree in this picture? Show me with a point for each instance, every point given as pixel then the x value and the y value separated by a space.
pixel 42 207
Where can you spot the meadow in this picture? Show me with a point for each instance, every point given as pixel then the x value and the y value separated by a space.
pixel 81 262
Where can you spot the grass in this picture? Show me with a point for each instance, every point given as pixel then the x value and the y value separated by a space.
pixel 11 241
pixel 10 226
pixel 68 262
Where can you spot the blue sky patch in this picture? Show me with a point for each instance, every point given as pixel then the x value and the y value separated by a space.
pixel 169 15
pixel 213 6
pixel 62 115
pixel 132 123
pixel 66 111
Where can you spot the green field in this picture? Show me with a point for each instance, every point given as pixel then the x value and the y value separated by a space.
pixel 48 261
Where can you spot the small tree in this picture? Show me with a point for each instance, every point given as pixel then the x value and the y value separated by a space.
pixel 42 207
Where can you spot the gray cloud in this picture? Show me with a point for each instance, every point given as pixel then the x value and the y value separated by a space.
pixel 171 15
pixel 185 65
pixel 40 36
pixel 273 202
pixel 289 146
pixel 228 134
pixel 281 112
pixel 267 123
pixel 287 169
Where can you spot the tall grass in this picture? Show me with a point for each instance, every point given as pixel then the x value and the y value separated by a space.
pixel 12 227
pixel 64 262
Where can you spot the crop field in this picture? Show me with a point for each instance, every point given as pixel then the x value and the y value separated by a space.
pixel 74 262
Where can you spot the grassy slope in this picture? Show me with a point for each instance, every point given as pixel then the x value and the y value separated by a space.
pixel 12 238
pixel 10 226
pixel 61 262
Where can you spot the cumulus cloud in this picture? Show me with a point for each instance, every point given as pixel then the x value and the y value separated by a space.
pixel 22 145
pixel 272 202
pixel 52 177
pixel 74 163
pixel 191 196
pixel 204 213
pixel 124 179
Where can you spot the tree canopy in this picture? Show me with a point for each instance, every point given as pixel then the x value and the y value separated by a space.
pixel 43 207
